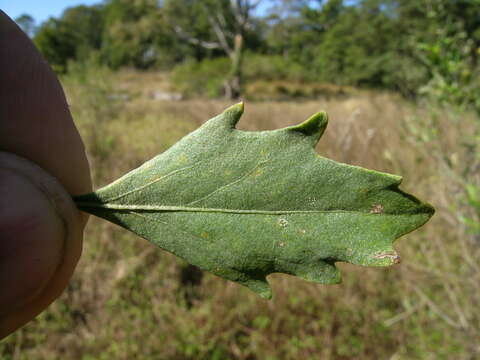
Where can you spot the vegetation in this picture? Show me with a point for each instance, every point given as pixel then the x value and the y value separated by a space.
pixel 399 80
pixel 388 44
pixel 128 298
pixel 231 202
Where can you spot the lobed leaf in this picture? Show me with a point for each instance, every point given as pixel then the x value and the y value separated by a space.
pixel 243 205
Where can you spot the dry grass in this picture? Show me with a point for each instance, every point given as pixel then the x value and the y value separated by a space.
pixel 126 300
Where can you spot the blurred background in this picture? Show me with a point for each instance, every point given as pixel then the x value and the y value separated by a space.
pixel 400 81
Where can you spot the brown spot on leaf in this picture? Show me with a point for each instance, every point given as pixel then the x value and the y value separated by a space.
pixel 393 256
pixel 377 209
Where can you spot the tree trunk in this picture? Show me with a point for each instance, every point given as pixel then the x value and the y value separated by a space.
pixel 233 85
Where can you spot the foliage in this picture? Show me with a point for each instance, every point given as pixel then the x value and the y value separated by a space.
pixel 127 299
pixel 201 78
pixel 75 36
pixel 27 24
pixel 450 53
pixel 207 77
pixel 412 47
pixel 272 67
pixel 134 35
pixel 231 202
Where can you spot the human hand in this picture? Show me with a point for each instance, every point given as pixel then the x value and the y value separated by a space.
pixel 42 162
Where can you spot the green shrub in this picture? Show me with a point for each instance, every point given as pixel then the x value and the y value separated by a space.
pixel 273 67
pixel 204 78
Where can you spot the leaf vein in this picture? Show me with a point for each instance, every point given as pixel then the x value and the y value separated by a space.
pixel 229 184
pixel 149 183
pixel 167 208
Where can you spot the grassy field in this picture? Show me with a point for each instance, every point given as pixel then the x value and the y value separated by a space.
pixel 130 300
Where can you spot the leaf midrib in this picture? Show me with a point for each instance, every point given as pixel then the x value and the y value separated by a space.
pixel 85 204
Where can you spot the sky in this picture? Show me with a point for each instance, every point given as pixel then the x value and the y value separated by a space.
pixel 41 10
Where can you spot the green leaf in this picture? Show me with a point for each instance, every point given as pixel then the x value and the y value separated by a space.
pixel 243 205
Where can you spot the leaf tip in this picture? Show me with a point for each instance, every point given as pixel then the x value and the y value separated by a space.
pixel 313 127
pixel 240 106
pixel 429 209
pixel 232 115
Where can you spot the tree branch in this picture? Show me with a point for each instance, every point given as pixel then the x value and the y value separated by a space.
pixel 223 22
pixel 192 40
pixel 238 12
pixel 222 39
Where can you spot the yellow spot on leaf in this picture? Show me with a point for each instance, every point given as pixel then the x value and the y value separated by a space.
pixel 182 159
pixel 258 172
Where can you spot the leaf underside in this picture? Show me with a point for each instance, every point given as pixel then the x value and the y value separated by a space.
pixel 243 205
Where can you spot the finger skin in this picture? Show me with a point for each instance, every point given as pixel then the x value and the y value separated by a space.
pixel 40 240
pixel 36 124
pixel 26 216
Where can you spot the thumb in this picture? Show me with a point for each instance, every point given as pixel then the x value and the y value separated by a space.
pixel 40 241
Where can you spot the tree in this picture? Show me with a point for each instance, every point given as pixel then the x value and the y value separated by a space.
pixel 27 24
pixel 283 24
pixel 74 36
pixel 448 49
pixel 130 31
pixel 225 27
